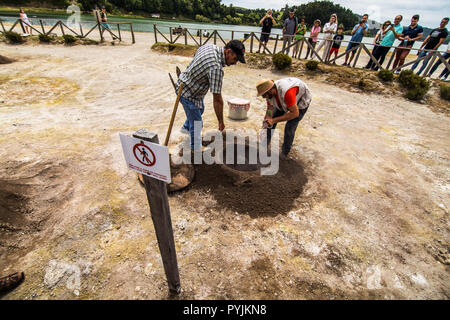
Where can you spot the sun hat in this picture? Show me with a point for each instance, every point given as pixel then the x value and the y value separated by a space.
pixel 263 86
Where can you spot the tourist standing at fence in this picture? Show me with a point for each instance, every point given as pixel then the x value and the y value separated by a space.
pixel 26 22
pixel 205 72
pixel 358 32
pixel 377 41
pixel 337 39
pixel 393 32
pixel 299 35
pixel 432 42
pixel 445 72
pixel 289 30
pixel 267 22
pixel 104 23
pixel 409 35
pixel 329 29
pixel 315 30
pixel 287 100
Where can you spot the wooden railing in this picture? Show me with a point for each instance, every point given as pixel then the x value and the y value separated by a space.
pixel 66 29
pixel 252 38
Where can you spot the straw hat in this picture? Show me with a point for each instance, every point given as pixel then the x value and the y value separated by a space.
pixel 263 86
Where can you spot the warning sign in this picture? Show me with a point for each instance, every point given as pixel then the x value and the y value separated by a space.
pixel 147 158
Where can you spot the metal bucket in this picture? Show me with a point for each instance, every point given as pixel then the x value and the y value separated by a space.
pixel 237 108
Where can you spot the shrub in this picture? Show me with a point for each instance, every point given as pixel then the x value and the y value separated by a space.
pixel 386 75
pixel 13 37
pixel 312 65
pixel 445 92
pixel 69 39
pixel 281 61
pixel 417 86
pixel 201 18
pixel 362 84
pixel 45 38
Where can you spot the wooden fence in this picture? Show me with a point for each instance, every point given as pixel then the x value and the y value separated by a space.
pixel 252 38
pixel 66 29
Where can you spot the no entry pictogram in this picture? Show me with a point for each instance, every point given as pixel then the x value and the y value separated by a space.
pixel 144 154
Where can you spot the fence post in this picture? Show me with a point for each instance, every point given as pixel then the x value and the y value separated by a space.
pixel 301 49
pixel 200 37
pixel 154 31
pixel 133 40
pixel 215 36
pixel 232 35
pixel 275 47
pixel 391 58
pixel 62 28
pixel 81 31
pixel 170 32
pixel 100 30
pixel 185 36
pixel 118 30
pixel 42 26
pixel 430 63
pixel 160 212
pixel 357 56
pixel 21 24
pixel 251 42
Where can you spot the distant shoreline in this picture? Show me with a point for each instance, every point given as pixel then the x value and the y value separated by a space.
pixel 10 11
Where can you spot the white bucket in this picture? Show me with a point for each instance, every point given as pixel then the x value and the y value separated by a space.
pixel 238 108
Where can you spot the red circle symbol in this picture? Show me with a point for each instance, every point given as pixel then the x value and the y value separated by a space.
pixel 142 154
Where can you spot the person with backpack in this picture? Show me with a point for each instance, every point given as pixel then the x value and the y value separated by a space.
pixel 104 23
pixel 289 30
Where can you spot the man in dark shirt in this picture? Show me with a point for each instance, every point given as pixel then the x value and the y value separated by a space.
pixel 267 22
pixel 410 34
pixel 432 42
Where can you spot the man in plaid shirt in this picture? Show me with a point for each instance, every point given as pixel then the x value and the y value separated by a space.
pixel 205 72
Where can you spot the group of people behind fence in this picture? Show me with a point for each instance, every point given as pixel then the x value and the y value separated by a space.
pixel 293 31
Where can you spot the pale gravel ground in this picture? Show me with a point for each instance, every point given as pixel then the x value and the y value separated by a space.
pixel 372 219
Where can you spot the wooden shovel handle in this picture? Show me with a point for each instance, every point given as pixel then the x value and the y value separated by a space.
pixel 174 112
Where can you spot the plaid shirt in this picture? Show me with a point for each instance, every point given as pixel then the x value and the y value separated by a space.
pixel 204 72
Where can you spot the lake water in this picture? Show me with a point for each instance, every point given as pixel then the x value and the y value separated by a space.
pixel 146 25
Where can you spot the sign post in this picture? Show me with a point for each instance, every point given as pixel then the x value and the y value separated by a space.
pixel 152 164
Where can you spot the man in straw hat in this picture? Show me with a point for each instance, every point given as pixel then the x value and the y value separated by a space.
pixel 288 100
pixel 205 73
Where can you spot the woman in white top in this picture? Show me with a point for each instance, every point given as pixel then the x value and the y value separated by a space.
pixel 26 21
pixel 329 29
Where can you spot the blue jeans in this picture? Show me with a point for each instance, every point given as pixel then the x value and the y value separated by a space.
pixel 446 55
pixel 193 113
pixel 289 129
pixel 422 53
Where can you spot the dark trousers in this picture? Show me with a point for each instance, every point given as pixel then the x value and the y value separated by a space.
pixel 310 40
pixel 289 129
pixel 379 53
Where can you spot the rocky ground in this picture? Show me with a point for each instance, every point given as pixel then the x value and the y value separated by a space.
pixel 362 213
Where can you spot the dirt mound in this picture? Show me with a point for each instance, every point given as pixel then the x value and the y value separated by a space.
pixel 258 61
pixel 175 49
pixel 5 60
pixel 257 195
pixel 29 194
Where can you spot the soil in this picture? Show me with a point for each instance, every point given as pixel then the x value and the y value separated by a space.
pixel 257 196
pixel 5 60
